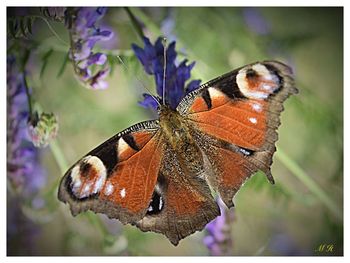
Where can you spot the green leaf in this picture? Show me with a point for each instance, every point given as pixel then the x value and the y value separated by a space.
pixel 23 27
pixel 45 11
pixel 135 23
pixel 45 59
pixel 30 21
pixel 63 66
pixel 13 27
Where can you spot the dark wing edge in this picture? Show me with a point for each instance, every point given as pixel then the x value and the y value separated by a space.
pixel 275 108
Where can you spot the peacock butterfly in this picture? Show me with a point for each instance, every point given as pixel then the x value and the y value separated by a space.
pixel 158 174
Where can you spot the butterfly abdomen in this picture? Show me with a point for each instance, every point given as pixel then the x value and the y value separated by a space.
pixel 177 134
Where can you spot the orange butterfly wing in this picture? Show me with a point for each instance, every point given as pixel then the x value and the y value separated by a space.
pixel 235 118
pixel 118 177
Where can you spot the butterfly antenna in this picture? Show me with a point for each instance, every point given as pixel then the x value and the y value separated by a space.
pixel 164 74
pixel 138 79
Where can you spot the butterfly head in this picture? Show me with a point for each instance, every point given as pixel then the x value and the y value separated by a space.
pixel 173 126
pixel 168 116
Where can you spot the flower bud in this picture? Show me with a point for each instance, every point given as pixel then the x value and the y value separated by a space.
pixel 42 128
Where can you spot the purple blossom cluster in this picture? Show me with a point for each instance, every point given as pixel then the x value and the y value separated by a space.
pixel 152 59
pixel 85 34
pixel 23 169
pixel 218 239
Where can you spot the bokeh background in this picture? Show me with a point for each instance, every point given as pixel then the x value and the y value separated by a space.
pixel 297 215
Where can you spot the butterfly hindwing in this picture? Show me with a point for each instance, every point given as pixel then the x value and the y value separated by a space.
pixel 234 120
pixel 118 177
pixel 182 202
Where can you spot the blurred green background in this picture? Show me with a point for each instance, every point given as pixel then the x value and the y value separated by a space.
pixel 283 219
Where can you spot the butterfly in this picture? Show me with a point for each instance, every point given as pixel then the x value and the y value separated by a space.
pixel 159 175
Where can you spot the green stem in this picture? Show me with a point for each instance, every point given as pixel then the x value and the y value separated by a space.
pixel 309 183
pixel 61 162
pixel 59 156
pixel 135 23
pixel 75 67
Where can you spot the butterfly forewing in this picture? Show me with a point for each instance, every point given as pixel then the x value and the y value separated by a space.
pixel 118 177
pixel 234 120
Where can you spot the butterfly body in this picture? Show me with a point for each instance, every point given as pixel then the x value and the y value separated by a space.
pixel 159 175
pixel 173 127
pixel 176 131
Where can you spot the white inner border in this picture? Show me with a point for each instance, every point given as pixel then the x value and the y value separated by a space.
pixel 173 3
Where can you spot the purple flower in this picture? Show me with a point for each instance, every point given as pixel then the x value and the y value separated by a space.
pixel 23 168
pixel 255 21
pixel 85 33
pixel 152 59
pixel 113 41
pixel 97 81
pixel 218 239
pixel 24 172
